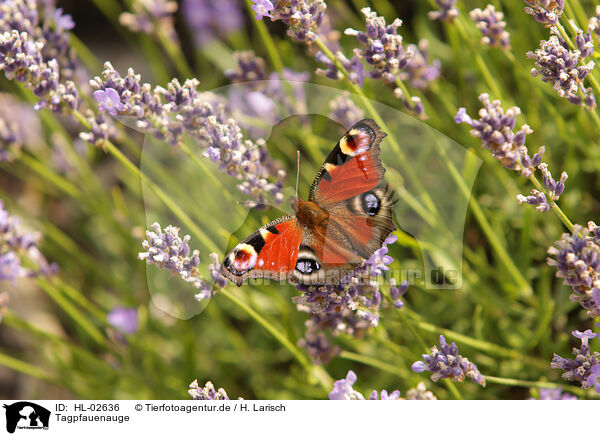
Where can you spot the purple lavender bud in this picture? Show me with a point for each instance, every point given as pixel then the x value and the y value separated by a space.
pixel 447 363
pixel 179 111
pixel 379 260
pixel 545 11
pixel 555 394
pixel 17 244
pixel 303 17
pixel 342 389
pixel 448 11
pixel 109 101
pixel 491 24
pixel 123 319
pixel 495 129
pixel 576 257
pixel 555 63
pixel 168 251
pixel 585 368
pixel 262 8
pixel 249 68
pixel 208 392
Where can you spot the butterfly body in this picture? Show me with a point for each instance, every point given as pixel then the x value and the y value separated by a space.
pixel 346 218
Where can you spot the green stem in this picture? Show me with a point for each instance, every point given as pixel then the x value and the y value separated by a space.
pixel 58 297
pixel 266 39
pixel 25 368
pixel 557 210
pixel 323 378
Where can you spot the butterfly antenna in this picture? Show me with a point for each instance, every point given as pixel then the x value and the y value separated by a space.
pixel 298 173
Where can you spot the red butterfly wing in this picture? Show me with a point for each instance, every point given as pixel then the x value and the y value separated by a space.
pixel 352 167
pixel 271 251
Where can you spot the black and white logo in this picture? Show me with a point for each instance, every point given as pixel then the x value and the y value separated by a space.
pixel 26 415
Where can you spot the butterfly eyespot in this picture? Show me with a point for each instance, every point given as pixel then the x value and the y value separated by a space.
pixel 241 259
pixel 307 266
pixel 370 203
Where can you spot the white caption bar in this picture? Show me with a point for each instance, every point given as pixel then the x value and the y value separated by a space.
pixel 307 417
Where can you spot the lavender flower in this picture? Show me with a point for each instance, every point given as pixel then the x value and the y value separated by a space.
pixel 545 11
pixel 419 71
pixel 178 111
pixel 50 31
pixel 382 49
pixel 168 251
pixel 585 368
pixel 344 111
pixel 379 260
pixel 576 257
pixel 555 394
pixel 208 392
pixel 381 46
pixel 491 25
pixel 420 393
pixel 101 129
pixel 16 244
pixel 351 307
pixel 21 60
pixel 123 319
pixel 595 21
pixel 249 68
pixel 343 390
pixel 558 65
pixel 354 66
pixel 214 270
pixel 303 17
pixel 151 17
pixel 317 345
pixel 447 363
pixel 208 19
pixel 262 8
pixel 109 101
pixel 395 395
pixel 495 129
pixel 448 11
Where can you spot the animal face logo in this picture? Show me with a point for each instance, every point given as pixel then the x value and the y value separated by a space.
pixel 26 415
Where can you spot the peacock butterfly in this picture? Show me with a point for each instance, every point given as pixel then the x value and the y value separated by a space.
pixel 347 217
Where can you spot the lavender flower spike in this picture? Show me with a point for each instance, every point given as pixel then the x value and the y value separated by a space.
pixel 447 363
pixel 208 392
pixel 303 17
pixel 447 12
pixel 491 24
pixel 168 251
pixel 585 368
pixel 16 244
pixel 495 129
pixel 262 8
pixel 342 389
pixel 545 11
pixel 555 394
pixel 576 257
pixel 558 65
